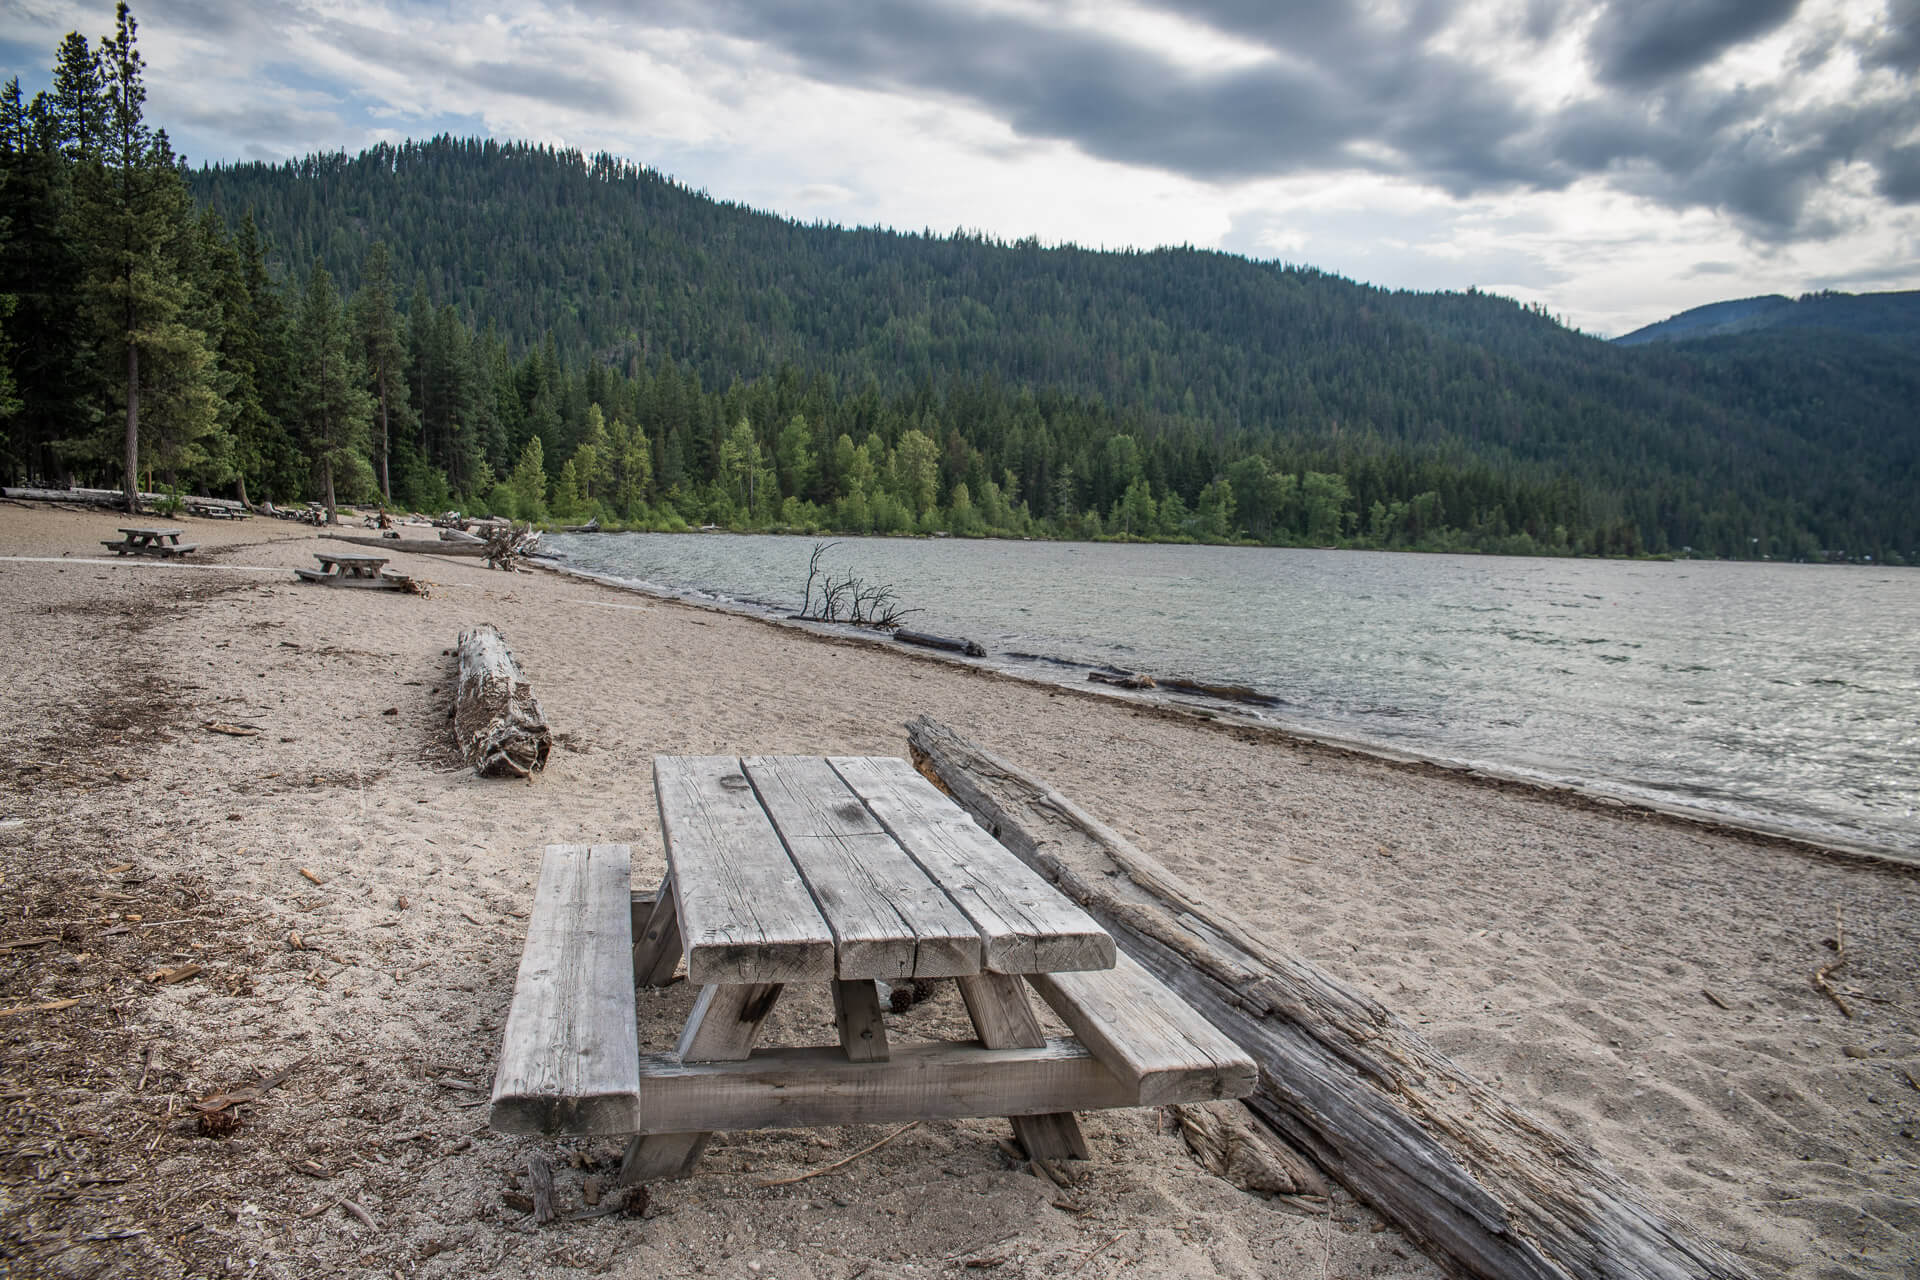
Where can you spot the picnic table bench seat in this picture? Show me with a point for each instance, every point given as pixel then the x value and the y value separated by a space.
pixel 771 880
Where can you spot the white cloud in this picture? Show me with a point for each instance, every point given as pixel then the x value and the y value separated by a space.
pixel 733 102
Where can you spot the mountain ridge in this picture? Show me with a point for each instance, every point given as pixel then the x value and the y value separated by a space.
pixel 1700 445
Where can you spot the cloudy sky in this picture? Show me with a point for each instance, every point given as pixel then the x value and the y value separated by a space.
pixel 1615 160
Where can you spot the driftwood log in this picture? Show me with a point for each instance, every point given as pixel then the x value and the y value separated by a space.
pixel 972 648
pixel 418 546
pixel 1483 1186
pixel 497 722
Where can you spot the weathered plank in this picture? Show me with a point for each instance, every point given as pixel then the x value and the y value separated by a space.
pixel 744 913
pixel 1147 1035
pixel 569 1056
pixel 1025 924
pixel 795 1088
pixel 888 919
pixel 1003 1016
pixel 1484 1186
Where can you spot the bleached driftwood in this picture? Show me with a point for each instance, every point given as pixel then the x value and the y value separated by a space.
pixel 497 722
pixel 1486 1188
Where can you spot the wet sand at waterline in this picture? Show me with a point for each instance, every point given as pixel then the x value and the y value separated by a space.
pixel 1642 983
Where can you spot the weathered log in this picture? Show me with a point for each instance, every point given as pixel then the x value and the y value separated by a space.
pixel 420 546
pixel 1225 692
pixel 497 722
pixel 971 648
pixel 1483 1186
pixel 1131 680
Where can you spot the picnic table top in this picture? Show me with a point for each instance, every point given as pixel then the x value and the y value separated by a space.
pixel 347 557
pixel 803 868
pixel 139 532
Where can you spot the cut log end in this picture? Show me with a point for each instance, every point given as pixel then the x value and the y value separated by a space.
pixel 497 722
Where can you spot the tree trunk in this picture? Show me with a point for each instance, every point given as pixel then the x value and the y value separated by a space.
pixel 241 480
pixel 133 427
pixel 1484 1187
pixel 326 470
pixel 386 481
pixel 497 722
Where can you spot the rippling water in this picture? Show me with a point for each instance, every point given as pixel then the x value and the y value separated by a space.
pixel 1782 694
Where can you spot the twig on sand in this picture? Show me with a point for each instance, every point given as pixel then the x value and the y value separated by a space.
pixel 359 1213
pixel 1102 1248
pixel 68 1003
pixel 1839 962
pixel 838 1164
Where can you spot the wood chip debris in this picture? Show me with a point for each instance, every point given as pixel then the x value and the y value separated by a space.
pixel 231 730
pixel 248 1093
pixel 43 1008
pixel 14 944
pixel 309 875
pixel 178 973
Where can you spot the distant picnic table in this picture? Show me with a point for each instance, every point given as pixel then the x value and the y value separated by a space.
pixel 351 569
pixel 144 541
pixel 846 871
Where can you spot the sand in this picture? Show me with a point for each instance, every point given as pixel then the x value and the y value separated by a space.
pixel 1642 983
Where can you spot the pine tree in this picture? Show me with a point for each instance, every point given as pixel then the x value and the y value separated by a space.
pixel 132 207
pixel 50 345
pixel 82 112
pixel 335 409
pixel 383 346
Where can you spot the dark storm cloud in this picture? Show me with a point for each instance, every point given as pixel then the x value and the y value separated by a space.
pixel 1342 89
pixel 1335 85
pixel 1900 175
pixel 1642 42
pixel 1898 44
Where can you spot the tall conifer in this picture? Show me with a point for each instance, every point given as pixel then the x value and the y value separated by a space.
pixel 335 408
pixel 383 346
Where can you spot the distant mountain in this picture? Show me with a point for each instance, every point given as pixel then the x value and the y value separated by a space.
pixel 1892 316
pixel 1718 443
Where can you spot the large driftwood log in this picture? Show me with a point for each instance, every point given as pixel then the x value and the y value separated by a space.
pixel 1486 1188
pixel 418 546
pixel 496 719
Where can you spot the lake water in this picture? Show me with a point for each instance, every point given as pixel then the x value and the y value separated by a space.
pixel 1777 694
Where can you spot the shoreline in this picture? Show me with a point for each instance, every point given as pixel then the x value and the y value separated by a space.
pixel 355 903
pixel 1596 794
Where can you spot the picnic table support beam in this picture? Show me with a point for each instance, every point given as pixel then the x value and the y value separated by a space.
pixel 1004 1018
pixel 857 1017
pixel 1482 1185
pixel 725 1021
pixel 656 937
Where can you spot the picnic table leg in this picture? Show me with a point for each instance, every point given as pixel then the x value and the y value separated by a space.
pixel 725 1022
pixel 1001 1013
pixel 856 1013
pixel 656 939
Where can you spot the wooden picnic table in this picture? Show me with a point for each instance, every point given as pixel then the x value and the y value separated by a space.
pixel 151 541
pixel 349 569
pixel 847 871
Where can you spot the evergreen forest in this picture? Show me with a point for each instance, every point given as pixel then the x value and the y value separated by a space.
pixel 513 329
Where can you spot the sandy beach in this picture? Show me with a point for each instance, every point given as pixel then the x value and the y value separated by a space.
pixel 355 899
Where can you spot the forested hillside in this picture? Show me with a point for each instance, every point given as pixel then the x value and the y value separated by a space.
pixel 1893 317
pixel 477 324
